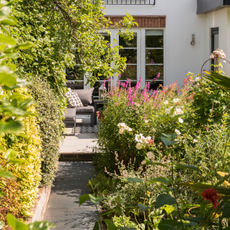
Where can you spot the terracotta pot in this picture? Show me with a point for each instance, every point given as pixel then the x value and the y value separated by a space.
pixel 100 115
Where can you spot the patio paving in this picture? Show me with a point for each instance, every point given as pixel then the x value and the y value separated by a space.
pixel 63 208
pixel 74 172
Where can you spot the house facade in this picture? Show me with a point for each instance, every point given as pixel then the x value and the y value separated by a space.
pixel 173 37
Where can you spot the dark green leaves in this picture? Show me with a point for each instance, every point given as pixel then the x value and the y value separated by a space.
pixel 191 167
pixel 165 199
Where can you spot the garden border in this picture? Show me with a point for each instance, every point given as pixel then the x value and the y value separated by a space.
pixel 40 207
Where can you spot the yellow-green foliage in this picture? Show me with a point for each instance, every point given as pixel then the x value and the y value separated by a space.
pixel 21 193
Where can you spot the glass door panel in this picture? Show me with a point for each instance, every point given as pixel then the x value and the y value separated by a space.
pixel 154 57
pixel 129 51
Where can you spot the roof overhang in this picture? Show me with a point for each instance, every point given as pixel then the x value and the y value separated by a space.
pixel 206 6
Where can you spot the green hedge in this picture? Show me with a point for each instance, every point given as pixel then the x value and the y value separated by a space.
pixel 51 125
pixel 21 193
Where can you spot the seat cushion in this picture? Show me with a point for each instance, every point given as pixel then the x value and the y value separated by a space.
pixel 73 99
pixel 85 109
pixel 85 95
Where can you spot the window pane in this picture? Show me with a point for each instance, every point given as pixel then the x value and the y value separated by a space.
pixel 130 54
pixel 128 43
pixel 154 56
pixel 154 38
pixel 155 84
pixel 130 72
pixel 106 37
pixel 153 70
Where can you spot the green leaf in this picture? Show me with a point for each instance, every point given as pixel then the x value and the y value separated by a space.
pixel 167 142
pixel 10 154
pixel 7 40
pixel 83 199
pixel 8 20
pixel 95 200
pixel 168 224
pixel 7 79
pixel 180 166
pixel 159 180
pixel 143 208
pixel 6 174
pixel 17 161
pixel 2 194
pixel 15 224
pixel 226 210
pixel 148 162
pixel 195 219
pixel 96 226
pixel 168 208
pixel 10 126
pixel 110 224
pixel 221 80
pixel 131 179
pixel 165 199
pixel 25 46
pixel 202 187
pixel 41 225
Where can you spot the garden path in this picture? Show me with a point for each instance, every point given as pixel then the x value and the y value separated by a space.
pixel 70 183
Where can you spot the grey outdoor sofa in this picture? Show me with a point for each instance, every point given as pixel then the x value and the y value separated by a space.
pixel 86 97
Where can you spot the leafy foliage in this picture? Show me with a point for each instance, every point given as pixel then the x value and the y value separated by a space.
pixel 50 122
pixel 20 194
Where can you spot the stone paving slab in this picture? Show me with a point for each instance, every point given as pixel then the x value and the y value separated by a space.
pixel 80 143
pixel 63 207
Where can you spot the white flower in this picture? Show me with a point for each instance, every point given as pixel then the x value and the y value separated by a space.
pixel 138 137
pixel 121 131
pixel 166 102
pixel 177 132
pixel 150 155
pixel 167 111
pixel 177 111
pixel 175 100
pixel 121 125
pixel 146 121
pixel 180 120
pixel 148 139
pixel 143 140
pixel 138 146
pixel 197 78
pixel 128 129
pixel 195 140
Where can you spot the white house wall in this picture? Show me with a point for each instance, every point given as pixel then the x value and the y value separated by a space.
pixel 181 22
pixel 221 19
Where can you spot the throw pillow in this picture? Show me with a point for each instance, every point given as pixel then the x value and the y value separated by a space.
pixel 85 95
pixel 73 99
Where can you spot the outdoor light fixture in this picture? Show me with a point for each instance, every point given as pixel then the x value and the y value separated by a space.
pixel 193 40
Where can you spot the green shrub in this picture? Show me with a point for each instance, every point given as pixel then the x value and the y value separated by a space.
pixel 51 125
pixel 142 112
pixel 209 102
pixel 21 193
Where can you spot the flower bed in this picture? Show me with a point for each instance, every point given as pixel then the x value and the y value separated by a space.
pixel 161 156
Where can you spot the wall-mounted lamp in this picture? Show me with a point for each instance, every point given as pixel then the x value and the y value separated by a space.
pixel 193 40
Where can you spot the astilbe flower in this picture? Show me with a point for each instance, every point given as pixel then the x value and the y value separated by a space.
pixel 211 195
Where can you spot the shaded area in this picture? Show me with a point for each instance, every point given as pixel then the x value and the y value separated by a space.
pixel 63 208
